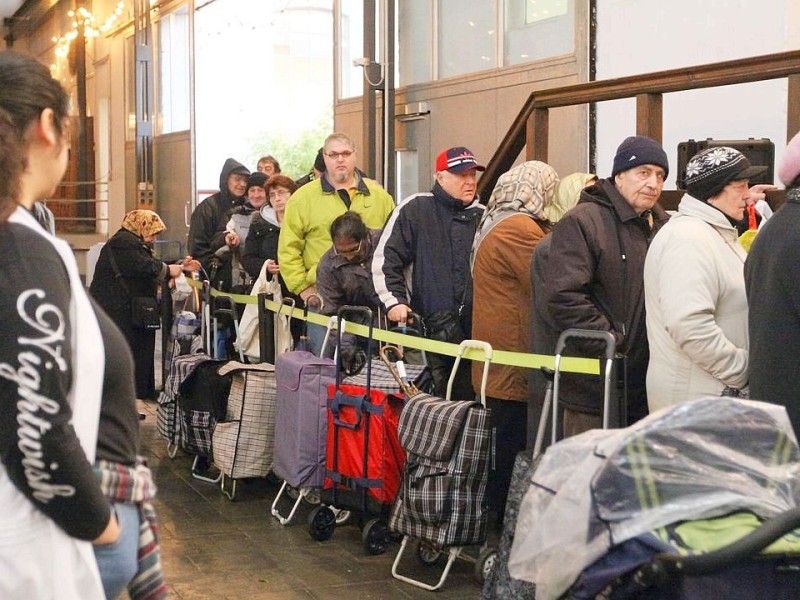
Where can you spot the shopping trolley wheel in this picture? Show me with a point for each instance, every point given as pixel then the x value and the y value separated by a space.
pixel 321 523
pixel 485 563
pixel 343 516
pixel 313 497
pixel 428 554
pixel 375 537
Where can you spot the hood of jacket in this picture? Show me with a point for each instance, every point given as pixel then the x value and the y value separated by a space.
pixel 605 193
pixel 692 207
pixel 231 165
pixel 267 213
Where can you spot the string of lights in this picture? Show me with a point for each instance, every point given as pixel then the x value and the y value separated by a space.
pixel 84 20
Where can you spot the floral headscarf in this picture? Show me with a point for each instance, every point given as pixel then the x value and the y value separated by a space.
pixel 568 192
pixel 527 188
pixel 143 223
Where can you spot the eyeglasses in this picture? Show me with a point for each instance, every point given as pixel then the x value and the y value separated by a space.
pixel 279 193
pixel 342 154
pixel 350 253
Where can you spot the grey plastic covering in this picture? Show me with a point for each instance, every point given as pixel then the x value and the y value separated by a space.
pixel 699 459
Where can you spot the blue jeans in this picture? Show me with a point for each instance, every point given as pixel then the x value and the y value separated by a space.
pixel 118 562
pixel 316 335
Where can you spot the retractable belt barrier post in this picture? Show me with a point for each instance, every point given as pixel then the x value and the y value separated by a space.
pixel 585 366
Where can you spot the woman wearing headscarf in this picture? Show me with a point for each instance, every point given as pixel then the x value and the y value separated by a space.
pixel 127 269
pixel 514 222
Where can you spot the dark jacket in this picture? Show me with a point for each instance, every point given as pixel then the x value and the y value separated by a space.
pixel 207 226
pixel 341 282
pixel 432 233
pixel 261 244
pixel 773 297
pixel 594 280
pixel 141 273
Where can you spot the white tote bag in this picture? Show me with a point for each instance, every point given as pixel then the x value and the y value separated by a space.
pixel 248 324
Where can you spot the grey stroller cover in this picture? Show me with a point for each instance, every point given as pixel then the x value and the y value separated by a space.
pixel 699 459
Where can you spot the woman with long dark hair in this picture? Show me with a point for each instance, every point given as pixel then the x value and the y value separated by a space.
pixel 50 351
pixel 76 521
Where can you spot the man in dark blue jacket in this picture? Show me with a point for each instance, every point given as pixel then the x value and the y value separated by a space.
pixel 421 263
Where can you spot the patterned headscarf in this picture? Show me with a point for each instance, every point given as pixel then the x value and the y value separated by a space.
pixel 143 223
pixel 568 192
pixel 527 188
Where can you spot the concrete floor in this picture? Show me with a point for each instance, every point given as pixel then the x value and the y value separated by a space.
pixel 213 547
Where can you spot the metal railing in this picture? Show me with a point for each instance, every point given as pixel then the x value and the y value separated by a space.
pixel 81 215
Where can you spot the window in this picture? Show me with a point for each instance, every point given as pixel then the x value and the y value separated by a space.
pixel 467 36
pixel 414 41
pixel 173 72
pixel 537 29
pixel 351 36
pixel 130 88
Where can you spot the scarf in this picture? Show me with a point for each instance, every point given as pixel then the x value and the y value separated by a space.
pixel 134 485
pixel 568 192
pixel 527 188
pixel 143 223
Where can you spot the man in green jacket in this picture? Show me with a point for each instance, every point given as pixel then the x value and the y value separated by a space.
pixel 305 231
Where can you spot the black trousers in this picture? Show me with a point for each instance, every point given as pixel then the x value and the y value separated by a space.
pixel 511 423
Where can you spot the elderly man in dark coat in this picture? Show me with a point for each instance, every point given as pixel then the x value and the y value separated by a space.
pixel 594 277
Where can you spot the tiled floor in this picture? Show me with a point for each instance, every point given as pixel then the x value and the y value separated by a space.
pixel 216 548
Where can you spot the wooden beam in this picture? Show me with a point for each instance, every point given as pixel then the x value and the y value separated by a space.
pixel 538 135
pixel 650 116
pixel 746 70
pixel 793 107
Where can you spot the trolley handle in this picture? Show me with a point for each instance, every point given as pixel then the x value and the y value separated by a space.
pixel 487 359
pixel 340 314
pixel 588 334
pixel 290 302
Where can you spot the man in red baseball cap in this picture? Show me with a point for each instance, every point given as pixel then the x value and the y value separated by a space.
pixel 421 263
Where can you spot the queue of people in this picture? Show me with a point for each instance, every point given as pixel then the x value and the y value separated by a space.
pixel 543 256
pixel 691 312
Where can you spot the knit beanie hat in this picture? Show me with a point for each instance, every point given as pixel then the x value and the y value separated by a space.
pixel 639 150
pixel 257 178
pixel 789 168
pixel 710 170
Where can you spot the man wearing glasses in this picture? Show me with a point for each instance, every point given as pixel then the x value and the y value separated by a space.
pixel 305 235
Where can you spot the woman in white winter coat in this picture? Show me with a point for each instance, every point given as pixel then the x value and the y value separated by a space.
pixel 694 286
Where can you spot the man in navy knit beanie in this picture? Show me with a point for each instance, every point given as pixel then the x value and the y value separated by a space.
pixel 594 279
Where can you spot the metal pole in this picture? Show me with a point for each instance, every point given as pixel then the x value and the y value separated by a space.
pixel 369 163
